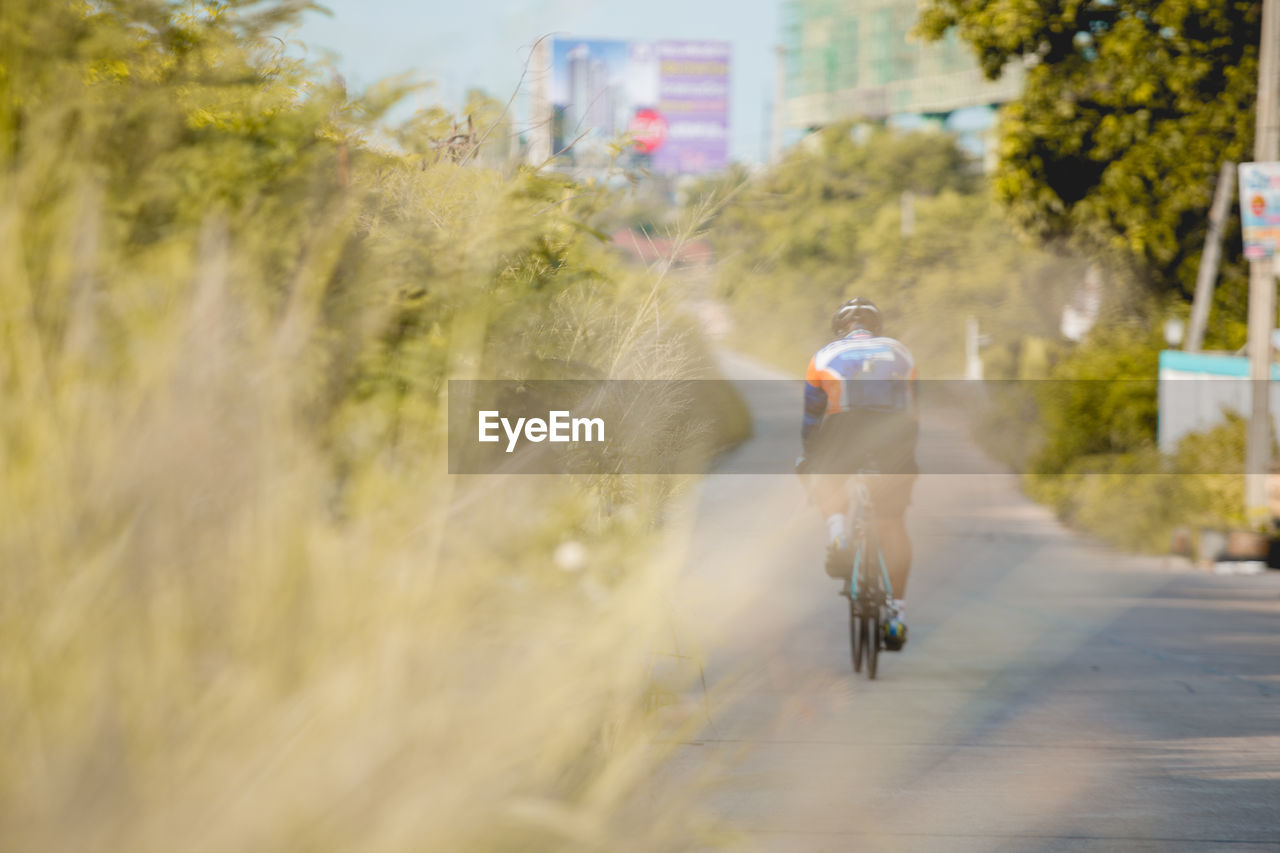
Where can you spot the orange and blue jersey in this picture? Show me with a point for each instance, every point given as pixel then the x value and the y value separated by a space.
pixel 858 371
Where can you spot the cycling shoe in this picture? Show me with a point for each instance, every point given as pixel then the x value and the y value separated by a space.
pixel 895 635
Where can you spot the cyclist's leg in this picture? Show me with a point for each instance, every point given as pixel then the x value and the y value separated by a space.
pixel 830 475
pixel 892 495
pixel 832 498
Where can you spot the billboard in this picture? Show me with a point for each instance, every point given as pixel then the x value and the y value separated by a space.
pixel 670 97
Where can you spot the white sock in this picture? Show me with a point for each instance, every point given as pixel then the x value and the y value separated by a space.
pixel 835 529
pixel 900 605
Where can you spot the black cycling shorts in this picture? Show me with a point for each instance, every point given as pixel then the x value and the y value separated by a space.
pixel 849 442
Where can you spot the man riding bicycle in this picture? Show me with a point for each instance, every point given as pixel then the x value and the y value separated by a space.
pixel 859 413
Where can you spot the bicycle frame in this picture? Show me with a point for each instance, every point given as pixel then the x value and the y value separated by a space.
pixel 861 520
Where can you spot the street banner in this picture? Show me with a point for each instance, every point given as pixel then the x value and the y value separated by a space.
pixel 1260 209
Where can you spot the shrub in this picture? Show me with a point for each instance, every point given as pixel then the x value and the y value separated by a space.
pixel 1101 399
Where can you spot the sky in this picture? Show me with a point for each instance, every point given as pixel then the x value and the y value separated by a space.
pixel 459 44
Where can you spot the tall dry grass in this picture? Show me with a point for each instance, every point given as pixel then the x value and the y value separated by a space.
pixel 241 604
pixel 206 645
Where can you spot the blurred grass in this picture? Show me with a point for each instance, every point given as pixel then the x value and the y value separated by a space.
pixel 241 605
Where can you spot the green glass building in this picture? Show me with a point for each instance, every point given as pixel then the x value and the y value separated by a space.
pixel 857 59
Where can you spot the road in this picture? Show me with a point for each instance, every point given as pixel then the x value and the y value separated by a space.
pixel 1055 695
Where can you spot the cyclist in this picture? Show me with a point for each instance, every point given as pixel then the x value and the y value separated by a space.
pixel 859 406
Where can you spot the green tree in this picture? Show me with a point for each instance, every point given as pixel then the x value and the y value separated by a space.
pixel 826 223
pixel 1129 109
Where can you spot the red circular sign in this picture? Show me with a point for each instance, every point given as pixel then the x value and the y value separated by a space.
pixel 649 129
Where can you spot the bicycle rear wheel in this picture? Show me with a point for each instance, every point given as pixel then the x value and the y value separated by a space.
pixel 871 643
pixel 855 636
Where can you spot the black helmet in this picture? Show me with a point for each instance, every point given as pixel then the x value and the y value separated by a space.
pixel 857 313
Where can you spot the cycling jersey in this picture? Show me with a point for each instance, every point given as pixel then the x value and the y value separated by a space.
pixel 858 372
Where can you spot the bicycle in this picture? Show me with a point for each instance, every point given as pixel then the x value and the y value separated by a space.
pixel 869 589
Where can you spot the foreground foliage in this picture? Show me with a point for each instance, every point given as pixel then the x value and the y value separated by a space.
pixel 242 605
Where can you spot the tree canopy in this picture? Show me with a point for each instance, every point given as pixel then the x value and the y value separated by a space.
pixel 1130 108
pixel 825 224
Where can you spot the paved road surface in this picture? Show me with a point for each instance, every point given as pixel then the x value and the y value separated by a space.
pixel 1055 695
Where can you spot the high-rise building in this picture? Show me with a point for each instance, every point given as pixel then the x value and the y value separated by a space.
pixel 857 59
pixel 599 107
pixel 576 110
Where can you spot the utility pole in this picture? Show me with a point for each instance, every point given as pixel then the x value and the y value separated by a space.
pixel 972 349
pixel 1262 280
pixel 1208 271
